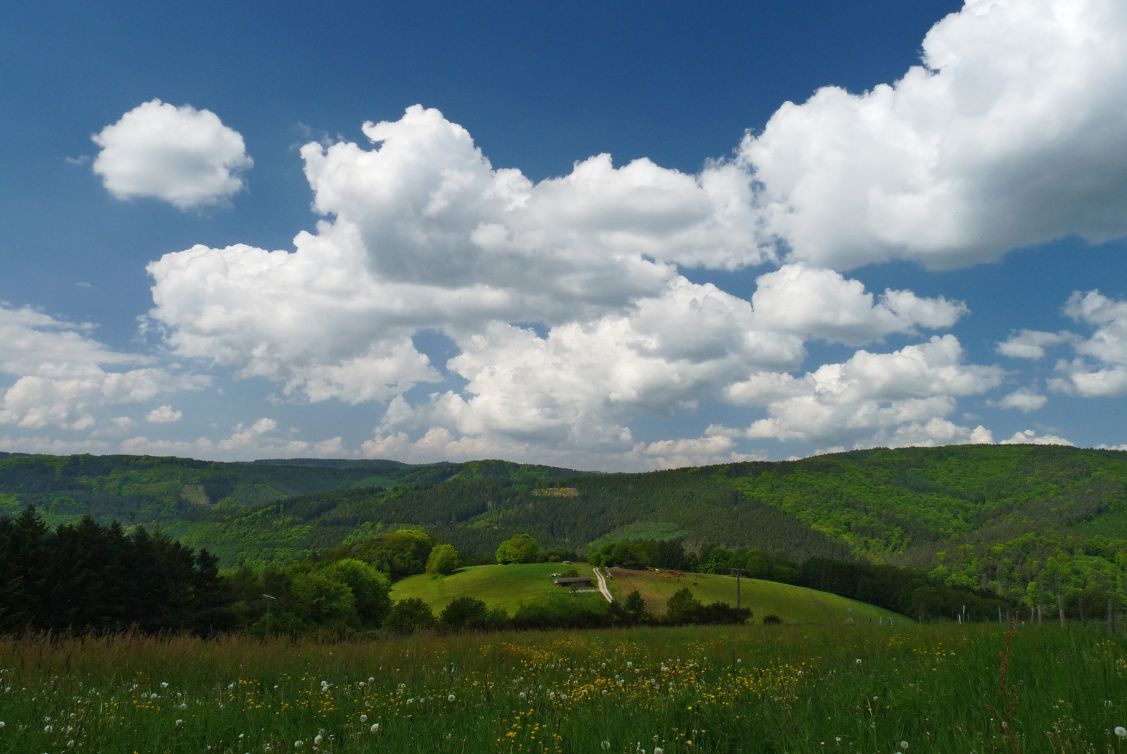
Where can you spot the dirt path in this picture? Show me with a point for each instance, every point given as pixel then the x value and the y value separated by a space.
pixel 603 585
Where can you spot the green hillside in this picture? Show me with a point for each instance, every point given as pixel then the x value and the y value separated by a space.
pixel 498 586
pixel 794 604
pixel 1027 521
pixel 509 586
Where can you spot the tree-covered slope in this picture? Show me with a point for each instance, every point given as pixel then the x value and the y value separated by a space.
pixel 1016 519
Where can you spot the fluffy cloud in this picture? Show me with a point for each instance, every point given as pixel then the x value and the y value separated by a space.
pixel 64 379
pixel 426 234
pixel 901 397
pixel 581 383
pixel 1029 437
pixel 1013 132
pixel 164 414
pixel 1031 344
pixel 180 155
pixel 821 303
pixel 259 439
pixel 1024 400
pixel 1100 366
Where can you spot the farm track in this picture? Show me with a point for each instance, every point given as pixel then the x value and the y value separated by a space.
pixel 603 585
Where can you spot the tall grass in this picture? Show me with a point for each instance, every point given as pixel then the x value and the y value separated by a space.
pixel 724 689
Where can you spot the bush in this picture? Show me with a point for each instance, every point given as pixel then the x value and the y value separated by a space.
pixel 443 560
pixel 682 607
pixel 772 620
pixel 464 612
pixel 410 615
pixel 371 590
pixel 518 549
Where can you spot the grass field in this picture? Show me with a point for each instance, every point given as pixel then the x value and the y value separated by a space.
pixel 503 586
pixel 693 689
pixel 794 604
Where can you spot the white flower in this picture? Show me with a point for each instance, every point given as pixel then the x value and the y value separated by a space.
pixel 375 728
pixel 1 723
pixel 70 744
pixel 48 728
pixel 1120 731
pixel 363 718
pixel 903 744
pixel 605 745
pixel 179 723
pixel 858 660
pixel 317 740
pixel 659 750
pixel 450 698
pixel 298 744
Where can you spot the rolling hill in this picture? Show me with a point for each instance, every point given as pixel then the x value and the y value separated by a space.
pixel 1008 518
pixel 509 586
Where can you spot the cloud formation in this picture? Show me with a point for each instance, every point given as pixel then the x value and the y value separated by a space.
pixel 899 398
pixel 64 379
pixel 179 155
pixel 1099 367
pixel 1013 132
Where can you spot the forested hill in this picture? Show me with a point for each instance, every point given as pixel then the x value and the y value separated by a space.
pixel 1010 518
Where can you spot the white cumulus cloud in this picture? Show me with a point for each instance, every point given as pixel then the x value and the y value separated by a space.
pixel 179 155
pixel 901 397
pixel 164 414
pixel 1012 132
pixel 1099 366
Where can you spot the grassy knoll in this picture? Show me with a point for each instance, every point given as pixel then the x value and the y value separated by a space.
pixel 693 689
pixel 503 586
pixel 794 604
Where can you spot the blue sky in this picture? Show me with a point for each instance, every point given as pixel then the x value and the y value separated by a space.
pixel 605 237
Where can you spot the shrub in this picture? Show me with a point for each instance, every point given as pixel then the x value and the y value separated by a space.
pixel 518 549
pixel 410 615
pixel 443 560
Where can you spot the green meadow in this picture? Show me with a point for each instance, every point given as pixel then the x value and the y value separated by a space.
pixel 861 688
pixel 498 586
pixel 793 604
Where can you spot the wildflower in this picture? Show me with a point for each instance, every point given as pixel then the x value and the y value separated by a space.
pixel 1120 731
pixel 179 723
pixel 317 739
pixel 605 745
pixel 858 660
pixel 903 744
pixel 70 744
pixel 375 728
pixel 450 698
pixel 363 718
pixel 48 728
pixel 298 744
pixel 1 724
pixel 659 750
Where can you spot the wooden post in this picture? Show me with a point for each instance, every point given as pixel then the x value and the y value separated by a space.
pixel 999 613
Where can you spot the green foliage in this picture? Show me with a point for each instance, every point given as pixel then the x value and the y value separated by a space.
pixel 751 689
pixel 443 560
pixel 1028 522
pixel 682 606
pixel 398 553
pixel 521 548
pixel 469 613
pixel 371 590
pixel 410 615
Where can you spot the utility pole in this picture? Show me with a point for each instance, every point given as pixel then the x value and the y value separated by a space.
pixel 738 572
pixel 270 600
